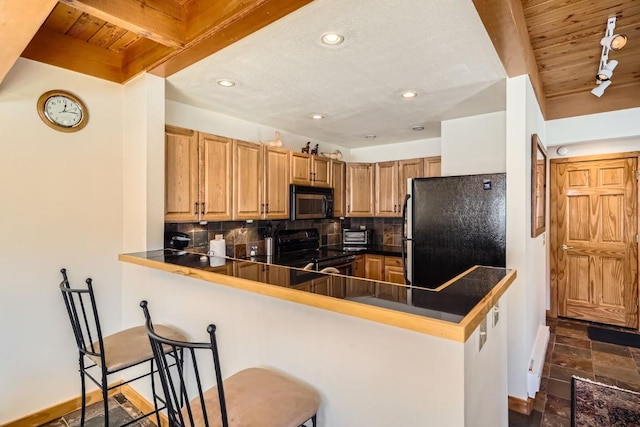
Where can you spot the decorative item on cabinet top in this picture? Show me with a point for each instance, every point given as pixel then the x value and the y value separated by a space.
pixel 276 143
pixel 314 150
pixel 336 155
pixel 306 148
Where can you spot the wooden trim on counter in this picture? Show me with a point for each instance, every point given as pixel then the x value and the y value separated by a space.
pixel 453 331
pixel 522 406
pixel 61 409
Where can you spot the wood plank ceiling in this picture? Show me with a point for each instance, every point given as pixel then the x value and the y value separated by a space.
pixel 556 42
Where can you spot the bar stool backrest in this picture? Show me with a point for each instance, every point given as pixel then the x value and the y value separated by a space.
pixel 83 314
pixel 181 410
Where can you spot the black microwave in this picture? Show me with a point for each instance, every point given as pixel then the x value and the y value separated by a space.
pixel 311 202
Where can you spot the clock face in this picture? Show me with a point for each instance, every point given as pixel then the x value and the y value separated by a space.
pixel 62 111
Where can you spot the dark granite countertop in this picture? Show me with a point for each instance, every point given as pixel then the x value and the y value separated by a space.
pixel 457 302
pixel 387 250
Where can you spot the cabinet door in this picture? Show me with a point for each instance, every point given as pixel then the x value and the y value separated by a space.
pixel 358 266
pixel 248 270
pixel 216 165
pixel 412 168
pixel 181 175
pixel 276 275
pixel 321 285
pixel 300 168
pixel 320 171
pixel 374 267
pixel 360 189
pixel 432 166
pixel 338 171
pixel 276 183
pixel 393 270
pixel 247 180
pixel 386 189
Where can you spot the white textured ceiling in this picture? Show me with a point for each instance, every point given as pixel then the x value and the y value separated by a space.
pixel 283 73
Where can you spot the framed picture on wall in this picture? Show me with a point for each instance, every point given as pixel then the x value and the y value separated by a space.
pixel 538 186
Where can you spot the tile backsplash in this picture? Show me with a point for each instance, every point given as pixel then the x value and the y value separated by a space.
pixel 239 236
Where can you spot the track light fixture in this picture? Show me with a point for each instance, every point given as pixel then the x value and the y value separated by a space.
pixel 609 42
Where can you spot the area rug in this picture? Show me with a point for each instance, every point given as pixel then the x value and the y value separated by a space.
pixel 613 337
pixel 594 404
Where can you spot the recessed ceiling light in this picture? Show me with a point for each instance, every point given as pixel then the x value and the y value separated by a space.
pixel 316 116
pixel 370 136
pixel 332 39
pixel 418 128
pixel 409 94
pixel 226 83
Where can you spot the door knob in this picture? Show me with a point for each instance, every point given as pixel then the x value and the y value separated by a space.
pixel 565 247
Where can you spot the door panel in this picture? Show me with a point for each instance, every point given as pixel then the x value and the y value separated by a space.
pixel 596 253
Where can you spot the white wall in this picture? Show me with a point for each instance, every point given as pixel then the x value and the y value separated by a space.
pixel 399 151
pixel 527 296
pixel 61 207
pixel 189 117
pixel 594 127
pixel 473 145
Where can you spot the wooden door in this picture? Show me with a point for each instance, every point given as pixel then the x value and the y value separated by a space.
pixel 320 172
pixel 360 189
pixel 216 165
pixel 386 190
pixel 393 272
pixel 300 168
pixel 247 180
pixel 412 168
pixel 374 267
pixel 595 248
pixel 276 183
pixel 432 166
pixel 358 266
pixel 338 172
pixel 181 175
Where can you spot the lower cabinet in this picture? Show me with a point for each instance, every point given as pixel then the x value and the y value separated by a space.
pixel 358 267
pixel 386 269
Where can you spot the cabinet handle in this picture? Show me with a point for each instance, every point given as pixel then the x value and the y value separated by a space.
pixel 394 208
pixel 195 208
pixel 261 208
pixel 348 208
pixel 203 208
pixel 267 207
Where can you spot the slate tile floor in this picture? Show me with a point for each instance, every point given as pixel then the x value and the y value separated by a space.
pixel 120 412
pixel 571 352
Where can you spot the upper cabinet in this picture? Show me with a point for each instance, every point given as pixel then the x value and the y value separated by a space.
pixel 276 183
pixel 412 168
pixel 432 166
pixel 247 180
pixel 338 182
pixel 386 189
pixel 360 197
pixel 197 176
pixel 310 170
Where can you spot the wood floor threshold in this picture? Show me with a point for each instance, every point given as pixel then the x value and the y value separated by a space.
pixel 61 409
pixel 521 406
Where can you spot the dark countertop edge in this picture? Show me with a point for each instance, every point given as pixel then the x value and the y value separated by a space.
pixel 459 332
pixel 387 250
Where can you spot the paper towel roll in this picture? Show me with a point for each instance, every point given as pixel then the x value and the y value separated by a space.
pixel 218 248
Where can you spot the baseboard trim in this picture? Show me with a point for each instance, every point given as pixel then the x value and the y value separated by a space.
pixel 142 404
pixel 522 406
pixel 63 408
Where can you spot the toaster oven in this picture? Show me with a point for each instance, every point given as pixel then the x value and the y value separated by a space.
pixel 357 237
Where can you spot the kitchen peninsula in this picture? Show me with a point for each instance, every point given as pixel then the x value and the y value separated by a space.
pixel 375 363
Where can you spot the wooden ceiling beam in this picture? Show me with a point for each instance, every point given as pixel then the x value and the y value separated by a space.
pixel 214 25
pixel 19 21
pixel 62 51
pixel 616 97
pixel 145 18
pixel 505 23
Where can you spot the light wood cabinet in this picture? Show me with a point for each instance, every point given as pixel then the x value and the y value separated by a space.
pixel 393 271
pixel 386 190
pixel 411 168
pixel 360 185
pixel 197 176
pixel 338 182
pixel 374 267
pixel 310 170
pixel 275 275
pixel 432 166
pixel 276 183
pixel 392 274
pixel 358 266
pixel 247 180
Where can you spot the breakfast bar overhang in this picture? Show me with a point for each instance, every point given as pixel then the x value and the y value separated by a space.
pixel 375 363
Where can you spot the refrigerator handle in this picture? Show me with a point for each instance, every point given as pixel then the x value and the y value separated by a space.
pixel 405 240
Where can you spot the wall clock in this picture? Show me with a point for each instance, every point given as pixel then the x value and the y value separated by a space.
pixel 62 111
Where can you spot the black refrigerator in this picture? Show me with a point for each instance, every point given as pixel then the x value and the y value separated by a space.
pixel 451 224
